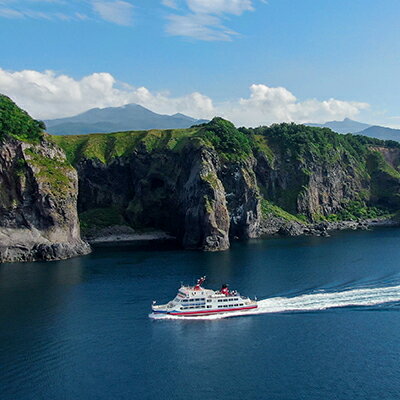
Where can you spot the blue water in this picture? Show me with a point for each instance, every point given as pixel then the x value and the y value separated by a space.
pixel 79 329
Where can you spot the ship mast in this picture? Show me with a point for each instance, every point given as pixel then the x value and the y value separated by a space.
pixel 199 283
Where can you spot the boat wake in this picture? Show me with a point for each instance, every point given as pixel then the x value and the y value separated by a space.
pixel 310 302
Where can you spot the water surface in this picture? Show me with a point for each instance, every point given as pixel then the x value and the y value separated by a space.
pixel 79 329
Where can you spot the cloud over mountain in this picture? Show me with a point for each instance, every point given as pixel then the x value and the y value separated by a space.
pixel 49 95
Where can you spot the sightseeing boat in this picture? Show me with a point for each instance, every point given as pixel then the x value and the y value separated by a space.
pixel 197 301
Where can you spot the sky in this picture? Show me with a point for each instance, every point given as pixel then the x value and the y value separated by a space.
pixel 253 62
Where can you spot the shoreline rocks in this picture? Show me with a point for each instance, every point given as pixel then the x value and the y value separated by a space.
pixel 277 226
pixel 123 233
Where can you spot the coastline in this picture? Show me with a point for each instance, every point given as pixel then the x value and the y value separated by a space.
pixel 272 227
pixel 121 233
pixel 277 226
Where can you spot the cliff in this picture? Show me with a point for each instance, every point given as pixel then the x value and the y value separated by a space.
pixel 212 183
pixel 205 185
pixel 38 193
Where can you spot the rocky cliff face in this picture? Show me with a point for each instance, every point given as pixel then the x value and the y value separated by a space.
pixel 309 186
pixel 183 193
pixel 213 183
pixel 38 197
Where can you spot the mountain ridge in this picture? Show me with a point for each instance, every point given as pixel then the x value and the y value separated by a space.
pixel 128 117
pixel 360 128
pixel 347 125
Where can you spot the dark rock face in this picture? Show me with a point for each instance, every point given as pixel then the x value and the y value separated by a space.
pixel 191 194
pixel 38 196
pixel 308 187
pixel 205 200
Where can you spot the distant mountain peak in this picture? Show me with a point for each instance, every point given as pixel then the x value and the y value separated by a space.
pixel 346 126
pixel 128 117
pixel 359 128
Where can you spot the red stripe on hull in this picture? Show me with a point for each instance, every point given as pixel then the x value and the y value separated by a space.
pixel 205 312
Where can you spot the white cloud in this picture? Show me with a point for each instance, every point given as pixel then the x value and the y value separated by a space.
pixel 115 11
pixel 10 13
pixel 119 12
pixel 48 95
pixel 170 3
pixel 23 10
pixel 236 7
pixel 198 26
pixel 267 105
pixel 203 19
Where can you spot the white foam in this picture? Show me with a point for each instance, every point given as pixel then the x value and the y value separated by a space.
pixel 310 302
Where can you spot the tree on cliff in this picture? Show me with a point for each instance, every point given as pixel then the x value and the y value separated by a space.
pixel 17 123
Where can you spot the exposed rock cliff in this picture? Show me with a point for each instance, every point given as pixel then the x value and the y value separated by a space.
pixel 38 193
pixel 212 183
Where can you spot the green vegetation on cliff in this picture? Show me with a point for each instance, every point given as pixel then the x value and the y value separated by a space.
pixel 269 209
pixel 228 141
pixel 100 218
pixel 16 123
pixel 299 169
pixel 107 146
pixel 356 210
pixel 51 171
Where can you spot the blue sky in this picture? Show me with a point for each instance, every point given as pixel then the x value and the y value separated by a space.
pixel 252 61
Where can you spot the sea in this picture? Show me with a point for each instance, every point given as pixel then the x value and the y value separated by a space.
pixel 328 325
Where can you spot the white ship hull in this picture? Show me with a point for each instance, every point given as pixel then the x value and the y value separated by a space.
pixel 204 312
pixel 197 301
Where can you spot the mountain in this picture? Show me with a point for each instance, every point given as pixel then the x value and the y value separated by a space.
pixel 345 126
pixel 381 132
pixel 130 117
pixel 359 128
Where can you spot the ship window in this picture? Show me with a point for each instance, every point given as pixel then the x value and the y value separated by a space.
pixel 208 306
pixel 209 300
pixel 241 304
pixel 225 299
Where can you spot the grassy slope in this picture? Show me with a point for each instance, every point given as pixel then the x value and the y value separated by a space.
pixel 106 146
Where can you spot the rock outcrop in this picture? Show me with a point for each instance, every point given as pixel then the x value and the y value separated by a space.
pixel 213 183
pixel 38 197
